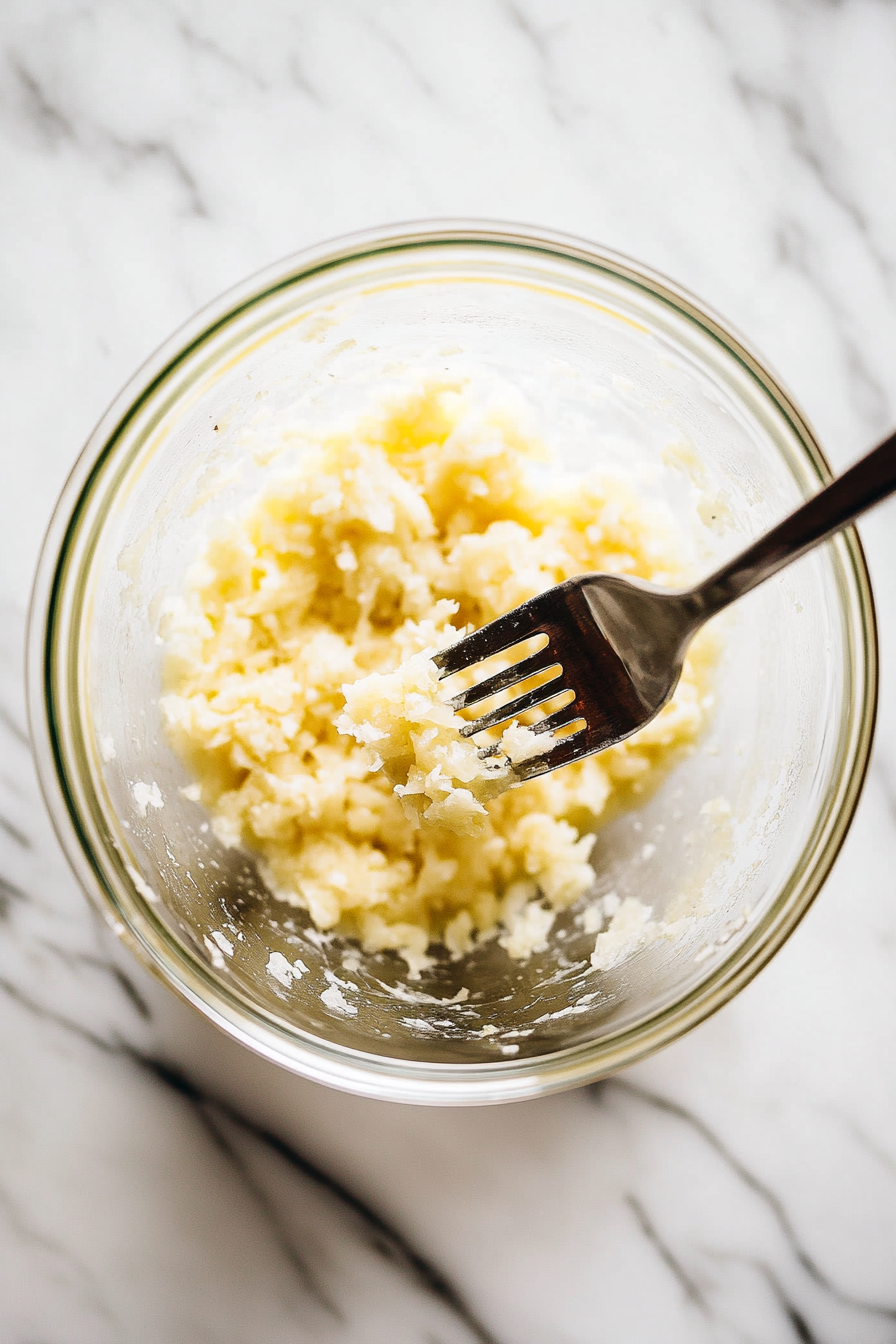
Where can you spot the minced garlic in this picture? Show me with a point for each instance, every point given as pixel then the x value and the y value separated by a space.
pixel 440 776
pixel 302 691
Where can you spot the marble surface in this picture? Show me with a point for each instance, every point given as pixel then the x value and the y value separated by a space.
pixel 158 1183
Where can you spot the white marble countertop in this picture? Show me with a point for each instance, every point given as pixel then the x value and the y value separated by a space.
pixel 157 1182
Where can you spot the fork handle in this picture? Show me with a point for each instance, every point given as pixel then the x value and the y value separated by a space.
pixel 866 483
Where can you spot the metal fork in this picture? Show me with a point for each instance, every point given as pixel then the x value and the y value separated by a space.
pixel 619 644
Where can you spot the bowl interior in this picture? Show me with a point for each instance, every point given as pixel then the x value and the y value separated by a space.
pixel 614 373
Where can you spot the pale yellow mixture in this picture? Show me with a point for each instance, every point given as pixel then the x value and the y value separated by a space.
pixel 300 685
pixel 415 738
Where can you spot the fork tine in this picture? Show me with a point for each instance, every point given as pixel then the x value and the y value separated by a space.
pixel 566 750
pixel 512 709
pixel 528 667
pixel 561 718
pixel 495 637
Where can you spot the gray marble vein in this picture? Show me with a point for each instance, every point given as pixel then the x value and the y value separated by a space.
pixel 764 1193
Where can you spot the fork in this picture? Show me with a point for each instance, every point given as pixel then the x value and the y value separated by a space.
pixel 619 644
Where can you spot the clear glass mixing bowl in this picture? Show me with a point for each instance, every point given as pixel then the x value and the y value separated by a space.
pixel 618 364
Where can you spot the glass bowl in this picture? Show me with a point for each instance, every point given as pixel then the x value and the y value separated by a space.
pixel 620 367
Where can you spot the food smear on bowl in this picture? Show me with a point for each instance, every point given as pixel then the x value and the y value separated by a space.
pixel 300 687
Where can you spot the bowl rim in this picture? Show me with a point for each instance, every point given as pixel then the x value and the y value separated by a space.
pixel 377 1076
